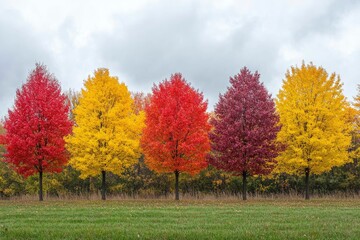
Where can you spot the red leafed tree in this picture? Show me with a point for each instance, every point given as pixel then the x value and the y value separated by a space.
pixel 36 127
pixel 175 138
pixel 244 128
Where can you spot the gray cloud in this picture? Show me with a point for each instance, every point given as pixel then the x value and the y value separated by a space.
pixel 20 49
pixel 207 41
pixel 168 38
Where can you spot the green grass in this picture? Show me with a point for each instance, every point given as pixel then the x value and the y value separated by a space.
pixel 187 219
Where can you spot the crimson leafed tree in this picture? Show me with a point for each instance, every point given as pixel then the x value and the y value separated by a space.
pixel 175 138
pixel 36 127
pixel 245 128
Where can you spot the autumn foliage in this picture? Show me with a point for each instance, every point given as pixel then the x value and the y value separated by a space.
pixel 140 101
pixel 107 131
pixel 37 125
pixel 245 128
pixel 175 138
pixel 315 130
pixel 309 129
pixel 355 121
pixel 357 99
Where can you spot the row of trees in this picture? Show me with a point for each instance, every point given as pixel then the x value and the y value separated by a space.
pixel 309 129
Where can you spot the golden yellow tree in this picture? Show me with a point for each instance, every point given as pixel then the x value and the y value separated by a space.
pixel 355 120
pixel 357 99
pixel 106 135
pixel 314 126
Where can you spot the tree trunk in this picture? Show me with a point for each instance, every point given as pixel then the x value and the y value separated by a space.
pixel 92 188
pixel 176 185
pixel 103 186
pixel 307 173
pixel 41 186
pixel 244 185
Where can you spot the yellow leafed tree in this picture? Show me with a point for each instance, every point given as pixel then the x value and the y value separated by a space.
pixel 357 99
pixel 314 126
pixel 106 135
pixel 356 127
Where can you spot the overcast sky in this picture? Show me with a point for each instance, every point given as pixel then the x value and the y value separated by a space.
pixel 143 42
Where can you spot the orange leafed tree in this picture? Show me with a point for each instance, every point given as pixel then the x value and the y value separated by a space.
pixel 175 138
pixel 140 101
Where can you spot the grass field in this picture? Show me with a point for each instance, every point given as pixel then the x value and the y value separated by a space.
pixel 187 219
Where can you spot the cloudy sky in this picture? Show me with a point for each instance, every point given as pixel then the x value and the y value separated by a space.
pixel 143 42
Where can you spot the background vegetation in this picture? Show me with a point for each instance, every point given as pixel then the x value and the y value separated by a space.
pixel 139 181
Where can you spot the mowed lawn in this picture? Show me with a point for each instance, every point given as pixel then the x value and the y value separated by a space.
pixel 187 219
